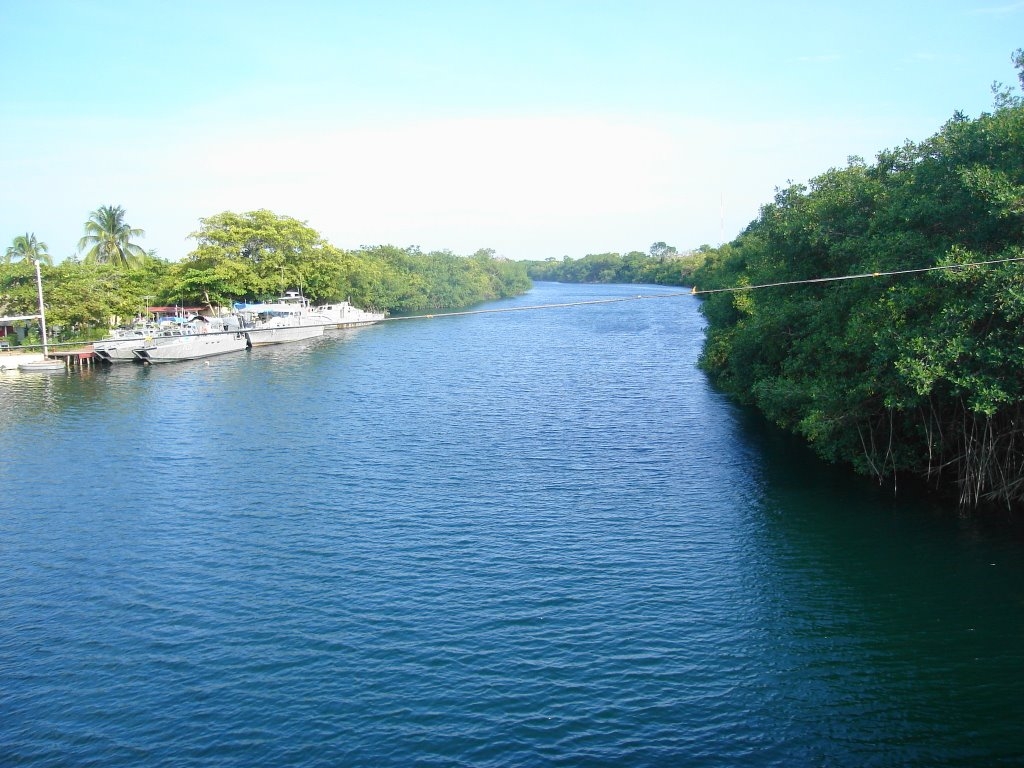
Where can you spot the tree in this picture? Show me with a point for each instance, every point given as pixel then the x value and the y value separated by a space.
pixel 1004 96
pixel 26 247
pixel 268 252
pixel 661 249
pixel 108 238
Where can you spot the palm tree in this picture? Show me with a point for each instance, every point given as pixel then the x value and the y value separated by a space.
pixel 107 238
pixel 27 247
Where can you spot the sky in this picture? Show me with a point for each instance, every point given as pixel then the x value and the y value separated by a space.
pixel 537 128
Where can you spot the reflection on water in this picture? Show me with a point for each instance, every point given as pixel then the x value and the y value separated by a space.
pixel 897 620
pixel 30 395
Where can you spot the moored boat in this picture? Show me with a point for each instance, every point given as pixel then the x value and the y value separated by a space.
pixel 343 315
pixel 288 319
pixel 279 330
pixel 120 346
pixel 42 366
pixel 201 337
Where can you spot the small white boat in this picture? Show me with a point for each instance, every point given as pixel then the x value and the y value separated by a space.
pixel 201 337
pixel 42 366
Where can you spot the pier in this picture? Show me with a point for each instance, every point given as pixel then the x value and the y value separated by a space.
pixel 82 357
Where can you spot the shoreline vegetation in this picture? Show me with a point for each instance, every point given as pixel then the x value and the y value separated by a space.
pixel 252 256
pixel 908 379
pixel 900 376
pixel 661 265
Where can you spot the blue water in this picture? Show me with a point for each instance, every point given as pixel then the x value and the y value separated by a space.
pixel 534 538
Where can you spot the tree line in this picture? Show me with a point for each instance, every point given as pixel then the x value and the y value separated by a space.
pixel 662 264
pixel 251 256
pixel 919 374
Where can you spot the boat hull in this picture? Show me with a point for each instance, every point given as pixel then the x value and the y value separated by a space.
pixel 121 351
pixel 259 337
pixel 42 366
pixel 192 347
pixel 120 348
pixel 344 315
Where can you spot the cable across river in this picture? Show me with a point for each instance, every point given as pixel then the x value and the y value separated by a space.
pixel 695 291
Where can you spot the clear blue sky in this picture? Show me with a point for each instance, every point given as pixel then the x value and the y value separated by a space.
pixel 538 129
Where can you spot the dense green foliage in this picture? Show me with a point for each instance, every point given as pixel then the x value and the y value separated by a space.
pixel 257 255
pixel 82 298
pixel 919 373
pixel 662 265
pixel 254 256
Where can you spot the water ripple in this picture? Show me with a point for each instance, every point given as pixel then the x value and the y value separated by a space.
pixel 524 539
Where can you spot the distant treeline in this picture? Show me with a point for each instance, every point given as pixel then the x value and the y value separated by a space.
pixel 255 256
pixel 662 265
pixel 920 374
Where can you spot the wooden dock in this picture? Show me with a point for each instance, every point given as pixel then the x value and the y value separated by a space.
pixel 82 357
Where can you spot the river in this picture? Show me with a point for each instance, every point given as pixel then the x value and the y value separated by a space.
pixel 515 539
